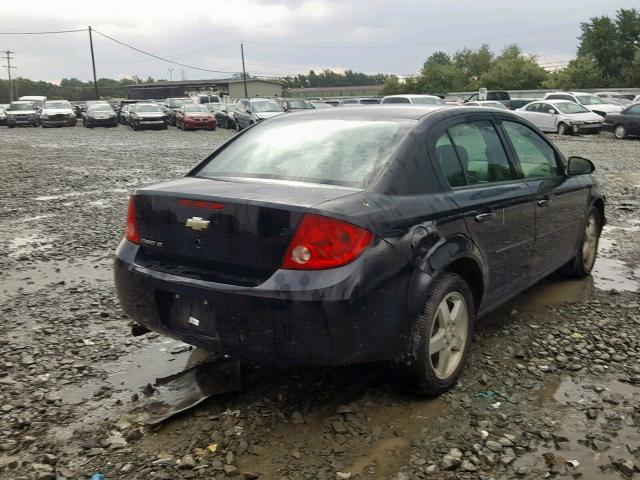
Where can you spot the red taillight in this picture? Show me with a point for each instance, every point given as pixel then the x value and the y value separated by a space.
pixel 322 242
pixel 131 231
pixel 185 202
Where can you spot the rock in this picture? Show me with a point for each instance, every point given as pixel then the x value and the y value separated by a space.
pixel 231 471
pixel 134 434
pixel 599 445
pixel 49 459
pixel 493 446
pixel 127 468
pixel 450 463
pixel 467 466
pixel 187 462
pixel 455 453
pixel 339 427
pixel 343 475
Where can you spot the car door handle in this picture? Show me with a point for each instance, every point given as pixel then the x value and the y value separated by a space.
pixel 543 202
pixel 484 217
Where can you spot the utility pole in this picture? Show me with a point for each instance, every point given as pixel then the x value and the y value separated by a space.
pixel 244 73
pixel 8 66
pixel 93 63
pixel 170 74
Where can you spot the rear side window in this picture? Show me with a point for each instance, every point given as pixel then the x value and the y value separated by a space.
pixel 533 108
pixel 481 152
pixel 536 157
pixel 635 110
pixel 449 162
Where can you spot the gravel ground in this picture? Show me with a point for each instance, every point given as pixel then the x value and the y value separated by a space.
pixel 552 388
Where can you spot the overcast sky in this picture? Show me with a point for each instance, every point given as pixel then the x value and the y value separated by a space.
pixel 282 37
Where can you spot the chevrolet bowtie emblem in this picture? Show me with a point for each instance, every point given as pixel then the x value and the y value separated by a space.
pixel 197 223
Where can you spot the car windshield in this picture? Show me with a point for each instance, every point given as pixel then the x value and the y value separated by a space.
pixel 230 107
pixel 427 101
pixel 369 101
pixel 56 105
pixel 590 100
pixel 21 106
pixel 332 152
pixel 99 108
pixel 195 108
pixel 147 108
pixel 396 100
pixel 180 102
pixel 267 106
pixel 570 108
pixel 298 104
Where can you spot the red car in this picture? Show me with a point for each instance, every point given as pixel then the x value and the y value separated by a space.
pixel 191 117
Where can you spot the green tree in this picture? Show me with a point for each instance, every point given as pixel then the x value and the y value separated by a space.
pixel 514 71
pixel 583 72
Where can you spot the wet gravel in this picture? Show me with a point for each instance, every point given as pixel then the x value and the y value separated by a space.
pixel 552 388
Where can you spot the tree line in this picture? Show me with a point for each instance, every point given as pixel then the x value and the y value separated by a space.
pixel 608 56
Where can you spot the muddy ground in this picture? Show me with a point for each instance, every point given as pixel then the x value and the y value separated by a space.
pixel 552 388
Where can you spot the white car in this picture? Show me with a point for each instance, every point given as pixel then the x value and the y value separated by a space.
pixel 415 99
pixel 57 113
pixel 587 100
pixel 561 116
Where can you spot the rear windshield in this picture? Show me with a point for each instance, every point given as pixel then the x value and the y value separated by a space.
pixel 427 100
pixel 332 152
pixel 56 105
pixel 21 106
pixel 195 108
pixel 590 100
pixel 396 100
pixel 370 101
pixel 99 108
pixel 147 108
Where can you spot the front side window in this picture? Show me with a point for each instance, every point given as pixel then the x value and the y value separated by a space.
pixel 479 147
pixel 635 110
pixel 333 152
pixel 536 157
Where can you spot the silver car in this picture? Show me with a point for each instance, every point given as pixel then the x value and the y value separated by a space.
pixel 561 116
pixel 588 100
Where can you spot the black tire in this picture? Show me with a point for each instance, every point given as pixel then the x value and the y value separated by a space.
pixel 419 372
pixel 620 132
pixel 563 129
pixel 10 125
pixel 581 265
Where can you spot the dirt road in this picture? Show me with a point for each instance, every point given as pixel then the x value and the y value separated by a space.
pixel 553 383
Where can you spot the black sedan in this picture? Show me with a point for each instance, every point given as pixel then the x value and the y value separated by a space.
pixel 146 115
pixel 624 124
pixel 358 234
pixel 100 115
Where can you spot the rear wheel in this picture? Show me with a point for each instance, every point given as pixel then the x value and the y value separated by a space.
pixel 620 132
pixel 582 264
pixel 441 337
pixel 563 129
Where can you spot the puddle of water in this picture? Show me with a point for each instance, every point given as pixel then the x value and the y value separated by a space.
pixel 45 274
pixel 575 398
pixel 28 244
pixel 611 273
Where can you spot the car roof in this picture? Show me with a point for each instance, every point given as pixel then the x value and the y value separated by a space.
pixel 554 100
pixel 385 112
pixel 23 101
pixel 412 95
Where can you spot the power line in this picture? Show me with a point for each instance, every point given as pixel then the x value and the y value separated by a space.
pixel 159 57
pixel 44 33
pixel 399 45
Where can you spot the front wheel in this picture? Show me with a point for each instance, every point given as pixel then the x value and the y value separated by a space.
pixel 563 129
pixel 441 337
pixel 620 132
pixel 582 264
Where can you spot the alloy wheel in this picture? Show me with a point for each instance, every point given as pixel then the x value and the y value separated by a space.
pixel 620 132
pixel 448 335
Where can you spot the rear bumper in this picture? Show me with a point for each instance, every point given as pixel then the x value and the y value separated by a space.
pixel 295 317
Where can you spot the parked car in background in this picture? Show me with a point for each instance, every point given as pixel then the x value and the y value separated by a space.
pixel 213 107
pixel 624 124
pixel 224 115
pixel 295 104
pixel 333 103
pixel 195 117
pixel 3 115
pixel 147 115
pixel 37 100
pixel 516 103
pixel 120 106
pixel 78 108
pixel 22 113
pixel 172 105
pixel 361 101
pixel 636 99
pixel 57 113
pixel 404 225
pixel 248 112
pixel 100 115
pixel 321 105
pixel 487 103
pixel 587 100
pixel 414 99
pixel 617 96
pixel 496 95
pixel 561 116
pixel 203 99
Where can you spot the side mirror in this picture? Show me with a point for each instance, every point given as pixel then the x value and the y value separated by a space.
pixel 551 111
pixel 579 166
